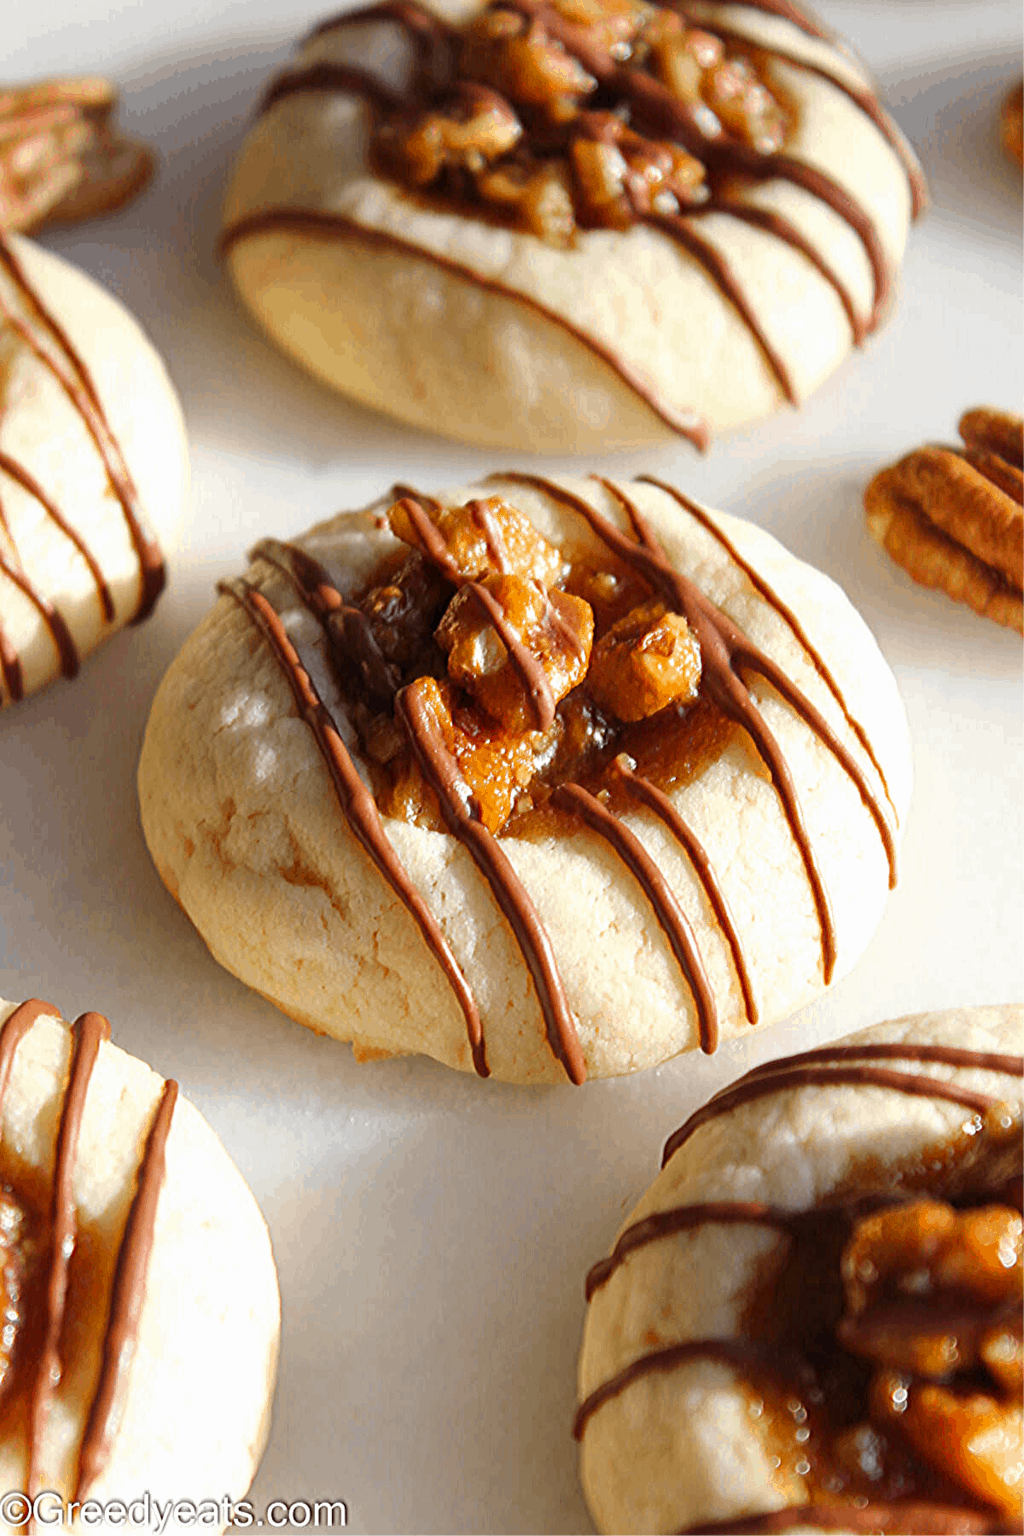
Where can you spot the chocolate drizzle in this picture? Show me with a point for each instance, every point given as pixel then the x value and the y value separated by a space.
pixel 653 109
pixel 725 653
pixel 575 799
pixel 356 801
pixel 441 772
pixel 126 1299
pixel 825 1067
pixel 90 1031
pixel 843 1064
pixel 50 344
pixel 351 642
pixel 326 225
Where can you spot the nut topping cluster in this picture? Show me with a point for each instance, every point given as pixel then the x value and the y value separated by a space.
pixel 953 518
pixel 533 123
pixel 534 667
pixel 60 158
pixel 933 1303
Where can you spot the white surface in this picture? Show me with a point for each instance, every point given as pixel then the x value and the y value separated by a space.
pixel 432 1232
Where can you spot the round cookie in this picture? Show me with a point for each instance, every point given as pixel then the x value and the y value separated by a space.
pixel 714 1395
pixel 139 1283
pixel 591 896
pixel 93 468
pixel 699 268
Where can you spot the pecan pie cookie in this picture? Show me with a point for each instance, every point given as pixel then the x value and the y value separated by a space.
pixel 139 1293
pixel 93 468
pixel 812 1320
pixel 543 780
pixel 953 517
pixel 571 224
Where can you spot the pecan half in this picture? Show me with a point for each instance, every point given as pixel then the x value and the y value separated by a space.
pixel 60 159
pixel 952 517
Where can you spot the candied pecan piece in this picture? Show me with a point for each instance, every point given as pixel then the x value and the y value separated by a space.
pixel 539 196
pixel 487 537
pixel 983 1256
pixel 620 175
pixel 402 612
pixel 517 57
pixel 1002 1352
pixel 900 1241
pixel 970 1437
pixel 681 58
pixel 646 661
pixel 516 648
pixel 915 1336
pixel 496 764
pixel 472 128
pixel 744 106
pixel 1011 124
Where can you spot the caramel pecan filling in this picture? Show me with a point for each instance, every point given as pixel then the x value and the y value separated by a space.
pixel 912 1335
pixel 536 668
pixel 582 114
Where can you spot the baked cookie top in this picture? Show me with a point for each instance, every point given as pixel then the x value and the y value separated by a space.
pixel 811 1321
pixel 708 200
pixel 140 1299
pixel 93 468
pixel 499 775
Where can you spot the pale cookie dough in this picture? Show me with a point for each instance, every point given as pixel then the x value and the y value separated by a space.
pixel 93 468
pixel 491 335
pixel 247 828
pixel 700 1443
pixel 164 1361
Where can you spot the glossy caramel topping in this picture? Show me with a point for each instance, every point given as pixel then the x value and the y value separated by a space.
pixel 453 663
pixel 880 1349
pixel 560 115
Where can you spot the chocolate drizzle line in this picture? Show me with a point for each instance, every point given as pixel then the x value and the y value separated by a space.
pixel 70 372
pixel 338 226
pixel 656 800
pixel 814 1067
pixel 781 608
pixel 725 653
pixel 356 802
pixel 456 805
pixel 788 1072
pixel 461 816
pixel 90 1031
pixel 126 1299
pixel 722 647
pixel 673 920
pixel 683 1218
pixel 656 108
pixel 529 666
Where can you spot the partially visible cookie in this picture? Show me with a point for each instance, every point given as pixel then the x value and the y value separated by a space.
pixel 571 227
pixel 141 1309
pixel 812 1320
pixel 953 517
pixel 543 779
pixel 93 468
